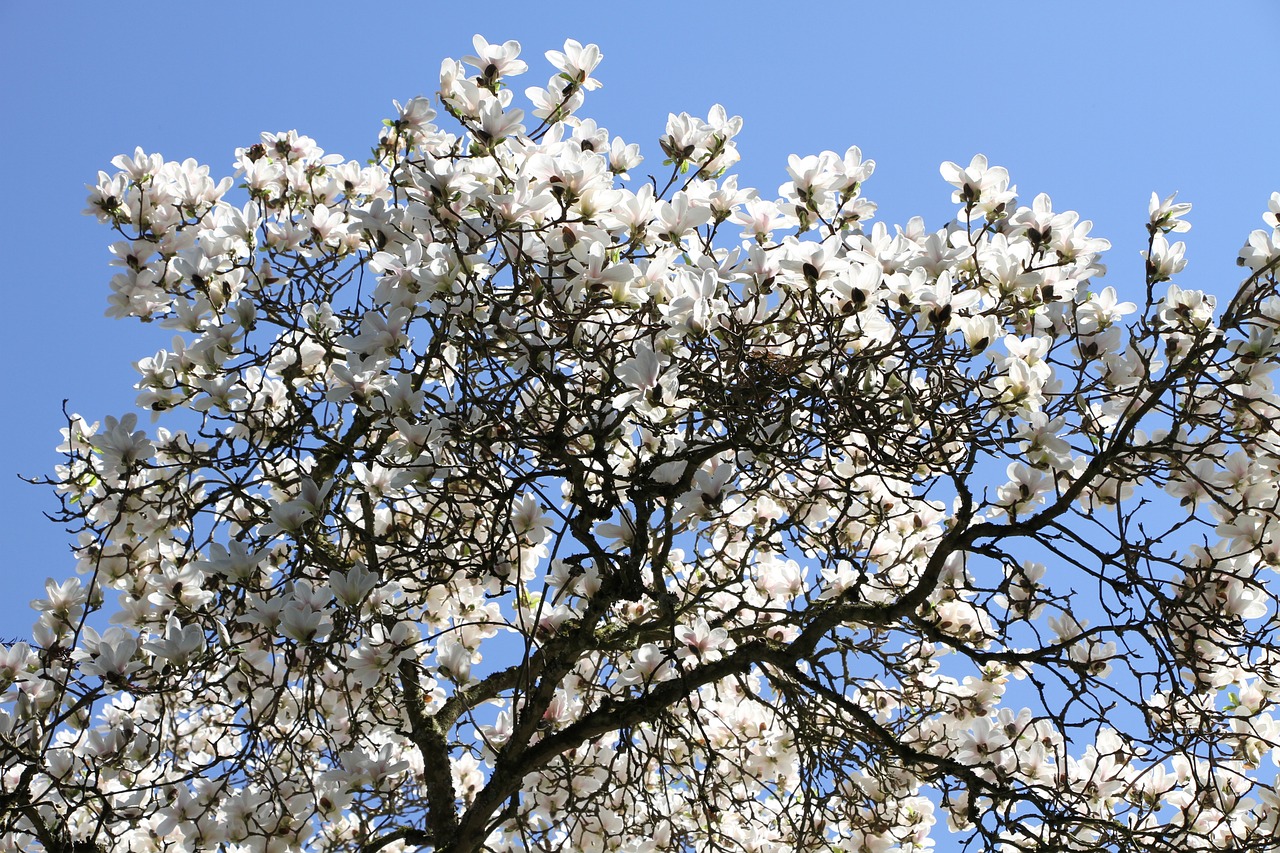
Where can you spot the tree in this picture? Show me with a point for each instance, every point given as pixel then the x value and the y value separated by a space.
pixel 493 503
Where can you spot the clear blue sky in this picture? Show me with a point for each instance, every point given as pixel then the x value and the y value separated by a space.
pixel 1096 103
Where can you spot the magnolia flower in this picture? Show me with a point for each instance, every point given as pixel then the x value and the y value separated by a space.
pixel 759 218
pixel 985 745
pixel 113 656
pixel 121 445
pixel 497 123
pixel 1066 628
pixel 454 661
pixel 654 391
pixel 380 653
pixel 63 602
pixel 978 184
pixel 1019 386
pixel 351 587
pixel 1163 260
pixel 1261 249
pixel 684 137
pixel 679 216
pixel 528 520
pixel 559 101
pixel 178 586
pixel 707 496
pixel 178 645
pixel 415 114
pixel 1026 488
pixel 595 272
pixel 979 331
pixel 1024 588
pixel 1043 443
pixel 853 169
pixel 696 308
pixel 577 62
pixel 139 168
pixel 14 660
pixel 496 60
pixel 290 516
pixel 1186 309
pixel 376 480
pixel 811 177
pixel 623 157
pixel 639 372
pixel 1101 311
pixel 940 305
pixel 1165 216
pixel 303 624
pixel 620 534
pixel 649 664
pixel 702 643
pixel 325 225
pixel 633 212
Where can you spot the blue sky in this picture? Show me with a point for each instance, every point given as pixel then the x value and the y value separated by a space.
pixel 1097 104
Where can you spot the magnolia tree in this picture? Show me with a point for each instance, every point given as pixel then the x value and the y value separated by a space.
pixel 499 497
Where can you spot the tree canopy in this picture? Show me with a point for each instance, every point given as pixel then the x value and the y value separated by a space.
pixel 508 491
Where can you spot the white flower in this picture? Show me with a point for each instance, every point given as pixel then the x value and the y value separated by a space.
pixel 654 392
pixel 1163 260
pixel 351 587
pixel 696 309
pixel 121 445
pixel 577 62
pixel 940 305
pixel 702 643
pixel 496 60
pixel 623 157
pixel 497 123
pixel 14 660
pixel 528 520
pixel 1261 249
pixel 454 661
pixel 1101 311
pixel 985 187
pixel 1187 309
pixel 178 645
pixel 679 216
pixel 1166 216
pixel 63 602
pixel 304 624
pixel 649 664
pixel 113 656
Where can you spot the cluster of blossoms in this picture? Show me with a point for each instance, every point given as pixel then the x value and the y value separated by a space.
pixel 498 499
